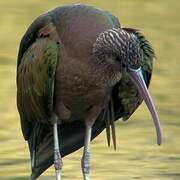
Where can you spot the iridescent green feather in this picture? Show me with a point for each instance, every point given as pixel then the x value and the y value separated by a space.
pixel 35 81
pixel 148 52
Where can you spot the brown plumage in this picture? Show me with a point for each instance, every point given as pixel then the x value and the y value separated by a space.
pixel 78 68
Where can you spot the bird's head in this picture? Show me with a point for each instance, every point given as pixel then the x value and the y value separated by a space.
pixel 121 46
pixel 127 49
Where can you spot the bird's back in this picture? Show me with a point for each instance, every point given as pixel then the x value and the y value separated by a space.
pixel 78 27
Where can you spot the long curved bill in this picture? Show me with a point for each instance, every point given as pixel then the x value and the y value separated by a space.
pixel 137 78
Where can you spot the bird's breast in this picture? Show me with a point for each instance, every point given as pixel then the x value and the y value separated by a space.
pixel 79 87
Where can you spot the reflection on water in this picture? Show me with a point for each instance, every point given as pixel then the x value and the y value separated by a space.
pixel 137 156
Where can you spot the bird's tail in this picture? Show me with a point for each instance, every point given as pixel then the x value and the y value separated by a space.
pixel 109 118
pixel 42 149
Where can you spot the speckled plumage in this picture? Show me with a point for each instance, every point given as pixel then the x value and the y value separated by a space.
pixel 81 81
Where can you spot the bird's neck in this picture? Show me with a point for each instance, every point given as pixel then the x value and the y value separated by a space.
pixel 107 71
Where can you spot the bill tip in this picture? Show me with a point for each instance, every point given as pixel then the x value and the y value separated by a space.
pixel 159 142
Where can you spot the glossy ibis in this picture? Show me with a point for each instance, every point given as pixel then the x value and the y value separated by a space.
pixel 78 71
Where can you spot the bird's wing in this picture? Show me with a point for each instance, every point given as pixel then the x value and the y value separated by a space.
pixel 35 84
pixel 125 96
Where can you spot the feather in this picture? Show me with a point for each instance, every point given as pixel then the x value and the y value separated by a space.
pixel 108 135
pixel 40 139
pixel 112 119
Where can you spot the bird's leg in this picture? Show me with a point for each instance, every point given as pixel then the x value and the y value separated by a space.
pixel 57 155
pixel 85 161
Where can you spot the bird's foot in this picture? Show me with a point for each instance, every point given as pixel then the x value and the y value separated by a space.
pixel 58 164
pixel 85 164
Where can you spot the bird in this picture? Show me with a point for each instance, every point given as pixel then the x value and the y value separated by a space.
pixel 79 71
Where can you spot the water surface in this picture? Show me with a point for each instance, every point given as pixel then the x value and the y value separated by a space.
pixel 137 156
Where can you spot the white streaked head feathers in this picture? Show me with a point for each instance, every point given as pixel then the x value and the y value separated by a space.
pixel 120 43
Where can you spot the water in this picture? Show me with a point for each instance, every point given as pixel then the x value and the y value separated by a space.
pixel 137 155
